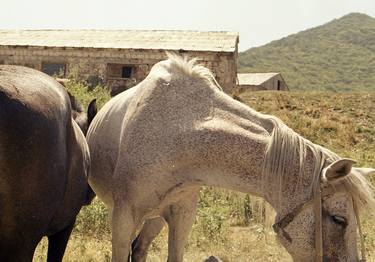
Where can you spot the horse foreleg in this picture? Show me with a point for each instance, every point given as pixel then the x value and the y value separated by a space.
pixel 123 232
pixel 140 245
pixel 57 244
pixel 180 217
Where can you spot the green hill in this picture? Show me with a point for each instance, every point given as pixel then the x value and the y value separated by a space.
pixel 337 56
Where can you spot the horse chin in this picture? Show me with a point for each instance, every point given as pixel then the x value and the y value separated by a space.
pixel 301 257
pixel 297 253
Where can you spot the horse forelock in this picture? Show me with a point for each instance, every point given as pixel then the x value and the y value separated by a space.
pixel 362 192
pixel 191 67
pixel 286 146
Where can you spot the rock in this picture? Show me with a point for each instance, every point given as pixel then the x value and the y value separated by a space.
pixel 212 259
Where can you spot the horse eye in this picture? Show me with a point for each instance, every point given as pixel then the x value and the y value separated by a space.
pixel 340 220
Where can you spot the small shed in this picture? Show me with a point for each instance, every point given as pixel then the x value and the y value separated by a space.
pixel 261 81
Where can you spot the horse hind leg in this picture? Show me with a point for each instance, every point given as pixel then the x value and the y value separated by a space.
pixel 180 218
pixel 57 244
pixel 140 245
pixel 124 225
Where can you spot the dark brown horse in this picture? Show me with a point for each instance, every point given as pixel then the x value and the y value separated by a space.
pixel 44 164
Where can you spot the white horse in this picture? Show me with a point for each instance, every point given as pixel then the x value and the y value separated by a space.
pixel 154 145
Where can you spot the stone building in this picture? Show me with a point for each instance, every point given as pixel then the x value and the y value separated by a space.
pixel 261 81
pixel 119 58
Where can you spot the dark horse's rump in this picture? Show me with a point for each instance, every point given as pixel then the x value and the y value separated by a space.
pixel 43 164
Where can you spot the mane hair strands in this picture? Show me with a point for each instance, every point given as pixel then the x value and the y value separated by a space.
pixel 286 148
pixel 191 67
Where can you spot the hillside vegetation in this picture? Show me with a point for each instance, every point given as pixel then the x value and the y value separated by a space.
pixel 337 56
pixel 229 224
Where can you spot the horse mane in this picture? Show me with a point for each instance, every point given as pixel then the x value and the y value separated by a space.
pixel 191 67
pixel 286 146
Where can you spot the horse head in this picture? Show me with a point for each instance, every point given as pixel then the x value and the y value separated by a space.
pixel 82 118
pixel 318 198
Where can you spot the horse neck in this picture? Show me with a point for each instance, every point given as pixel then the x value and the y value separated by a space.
pixel 241 164
pixel 230 147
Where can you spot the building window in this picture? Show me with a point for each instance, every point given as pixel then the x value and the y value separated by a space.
pixel 120 71
pixel 54 69
pixel 127 71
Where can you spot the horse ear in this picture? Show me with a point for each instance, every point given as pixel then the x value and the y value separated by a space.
pixel 91 111
pixel 338 169
pixel 364 171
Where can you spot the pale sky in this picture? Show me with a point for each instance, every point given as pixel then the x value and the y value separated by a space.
pixel 258 22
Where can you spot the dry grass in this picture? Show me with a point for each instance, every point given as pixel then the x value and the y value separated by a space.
pixel 342 122
pixel 244 244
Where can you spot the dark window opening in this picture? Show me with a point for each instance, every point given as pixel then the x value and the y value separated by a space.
pixel 278 85
pixel 54 69
pixel 120 71
pixel 126 71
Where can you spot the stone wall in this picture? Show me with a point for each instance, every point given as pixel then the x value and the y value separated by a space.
pixel 107 63
pixel 245 88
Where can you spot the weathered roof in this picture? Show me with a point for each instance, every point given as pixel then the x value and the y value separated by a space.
pixel 123 39
pixel 254 78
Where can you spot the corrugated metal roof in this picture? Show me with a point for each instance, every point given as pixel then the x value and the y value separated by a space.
pixel 254 78
pixel 123 39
